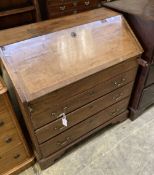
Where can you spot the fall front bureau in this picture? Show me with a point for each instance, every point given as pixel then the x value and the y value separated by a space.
pixel 72 82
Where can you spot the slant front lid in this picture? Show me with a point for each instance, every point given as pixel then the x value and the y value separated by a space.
pixel 41 65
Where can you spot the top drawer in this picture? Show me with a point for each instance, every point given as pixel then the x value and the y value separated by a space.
pixel 69 98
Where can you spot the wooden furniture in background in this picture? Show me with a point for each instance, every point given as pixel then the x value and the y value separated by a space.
pixel 72 82
pixel 14 153
pixel 18 12
pixel 58 8
pixel 140 16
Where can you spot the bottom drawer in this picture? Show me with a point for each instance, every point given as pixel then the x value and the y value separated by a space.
pixel 12 158
pixel 147 97
pixel 81 129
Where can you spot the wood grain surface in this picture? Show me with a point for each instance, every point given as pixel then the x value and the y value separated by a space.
pixel 52 61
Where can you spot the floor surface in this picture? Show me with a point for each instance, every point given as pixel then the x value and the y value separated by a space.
pixel 124 149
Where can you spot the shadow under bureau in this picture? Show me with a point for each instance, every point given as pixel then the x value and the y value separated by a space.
pixel 72 82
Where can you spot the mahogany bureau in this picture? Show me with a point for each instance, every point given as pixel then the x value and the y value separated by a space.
pixel 74 81
pixel 140 16
pixel 14 153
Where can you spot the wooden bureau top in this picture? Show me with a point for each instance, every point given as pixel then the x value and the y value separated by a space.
pixel 44 64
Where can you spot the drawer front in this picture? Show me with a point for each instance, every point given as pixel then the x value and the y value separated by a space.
pixel 56 9
pixel 76 132
pixel 62 13
pixel 65 7
pixel 5 121
pixel 54 110
pixel 74 2
pixel 60 8
pixel 9 140
pixel 12 158
pixel 74 118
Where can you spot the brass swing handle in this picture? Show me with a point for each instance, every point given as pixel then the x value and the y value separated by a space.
pixel 121 83
pixel 62 8
pixel 116 112
pixel 62 143
pixel 59 128
pixel 118 97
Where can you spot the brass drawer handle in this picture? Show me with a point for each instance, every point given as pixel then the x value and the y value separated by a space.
pixel 1 123
pixel 53 115
pixel 8 140
pixel 87 3
pixel 117 98
pixel 121 83
pixel 62 8
pixel 16 156
pixel 115 112
pixel 68 139
pixel 59 128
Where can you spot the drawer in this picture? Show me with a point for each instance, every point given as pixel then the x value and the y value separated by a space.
pixel 5 121
pixel 74 118
pixel 52 111
pixel 56 2
pixel 75 3
pixel 12 158
pixel 87 5
pixel 77 131
pixel 147 98
pixel 60 8
pixel 9 140
pixel 58 13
